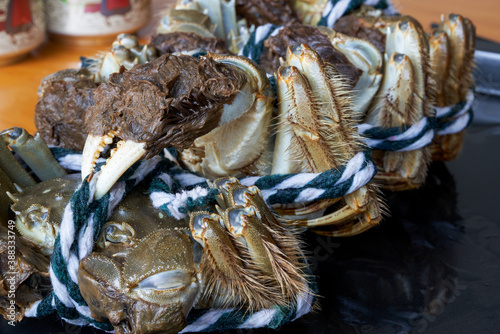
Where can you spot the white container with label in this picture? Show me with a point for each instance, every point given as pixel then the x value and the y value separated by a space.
pixel 95 22
pixel 22 28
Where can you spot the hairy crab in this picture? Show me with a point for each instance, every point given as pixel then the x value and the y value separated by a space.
pixel 146 277
pixel 231 137
pixel 148 270
pixel 404 98
pixel 429 65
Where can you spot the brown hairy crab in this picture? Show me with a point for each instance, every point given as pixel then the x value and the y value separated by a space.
pixel 420 71
pixel 148 271
pixel 168 102
pixel 229 133
pixel 145 277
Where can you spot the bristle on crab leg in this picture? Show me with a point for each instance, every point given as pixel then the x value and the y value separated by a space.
pixel 122 158
pixel 461 35
pixel 439 56
pixel 405 37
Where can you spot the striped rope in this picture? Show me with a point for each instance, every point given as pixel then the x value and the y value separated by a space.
pixel 255 45
pixel 227 319
pixel 177 191
pixel 84 217
pixel 80 226
pixel 447 120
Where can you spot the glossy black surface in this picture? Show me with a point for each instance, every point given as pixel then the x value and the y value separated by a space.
pixel 432 267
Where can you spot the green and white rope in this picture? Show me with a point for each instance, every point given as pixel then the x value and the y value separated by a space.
pixel 177 191
pixel 82 221
pixel 447 120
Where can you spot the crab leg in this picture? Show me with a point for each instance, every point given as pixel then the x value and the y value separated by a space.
pixel 405 37
pixel 439 47
pixel 13 170
pixel 402 101
pixel 314 132
pixel 296 210
pixel 251 252
pixel 461 34
pixel 398 107
pixel 351 228
pixel 34 152
pixel 6 186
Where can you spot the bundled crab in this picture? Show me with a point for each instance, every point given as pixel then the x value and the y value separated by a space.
pixel 200 166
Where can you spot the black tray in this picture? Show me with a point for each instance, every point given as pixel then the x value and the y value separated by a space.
pixel 432 267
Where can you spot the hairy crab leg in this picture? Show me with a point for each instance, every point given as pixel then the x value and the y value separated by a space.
pixel 250 250
pixel 305 209
pixel 452 48
pixel 313 121
pixel 403 100
pixel 440 54
pixel 461 34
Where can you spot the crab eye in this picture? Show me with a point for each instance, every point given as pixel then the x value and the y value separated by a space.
pixel 37 214
pixel 118 233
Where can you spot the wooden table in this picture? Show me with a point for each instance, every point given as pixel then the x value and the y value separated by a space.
pixel 19 82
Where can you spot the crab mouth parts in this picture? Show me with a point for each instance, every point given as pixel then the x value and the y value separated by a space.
pixel 122 154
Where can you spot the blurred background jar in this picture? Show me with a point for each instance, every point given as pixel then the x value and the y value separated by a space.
pixel 22 28
pixel 94 22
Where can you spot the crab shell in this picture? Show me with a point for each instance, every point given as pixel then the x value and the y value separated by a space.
pixel 39 210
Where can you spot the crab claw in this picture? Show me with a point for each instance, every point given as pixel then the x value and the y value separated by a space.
pixel 168 102
pixel 122 157
pixel 249 255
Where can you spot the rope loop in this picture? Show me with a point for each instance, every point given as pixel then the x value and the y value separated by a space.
pixel 448 120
